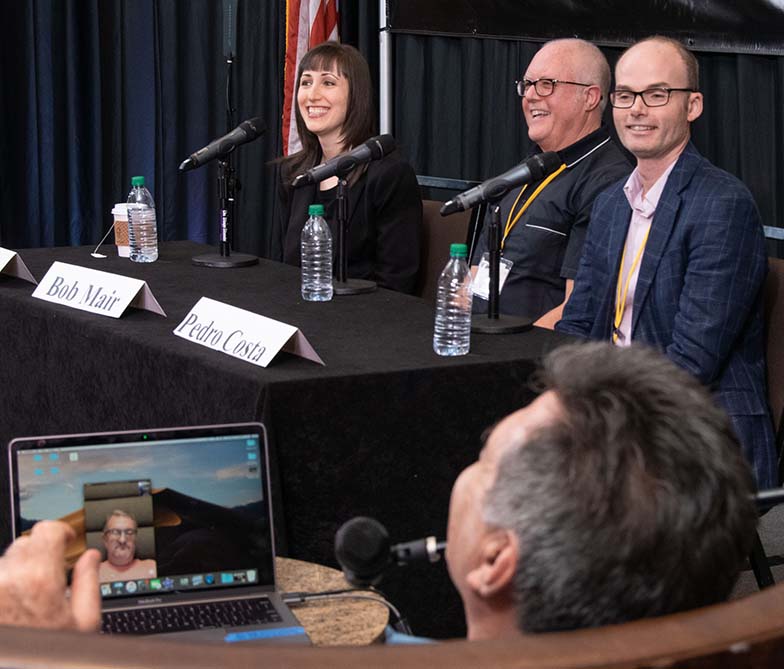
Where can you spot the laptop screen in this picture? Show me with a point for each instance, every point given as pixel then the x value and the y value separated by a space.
pixel 170 510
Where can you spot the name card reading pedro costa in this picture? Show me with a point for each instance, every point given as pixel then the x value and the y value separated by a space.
pixel 95 291
pixel 242 334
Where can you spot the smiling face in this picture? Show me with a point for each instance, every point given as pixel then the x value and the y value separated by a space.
pixel 322 98
pixel 558 120
pixel 119 539
pixel 655 135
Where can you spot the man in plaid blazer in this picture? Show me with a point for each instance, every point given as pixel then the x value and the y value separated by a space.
pixel 675 256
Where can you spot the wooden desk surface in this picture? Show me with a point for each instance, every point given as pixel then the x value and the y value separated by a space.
pixel 330 622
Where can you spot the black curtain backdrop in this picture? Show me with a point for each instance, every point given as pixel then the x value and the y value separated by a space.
pixel 465 120
pixel 95 91
pixel 751 26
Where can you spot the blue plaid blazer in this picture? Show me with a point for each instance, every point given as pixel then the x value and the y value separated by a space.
pixel 699 293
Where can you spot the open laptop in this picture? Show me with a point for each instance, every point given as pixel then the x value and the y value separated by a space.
pixel 182 517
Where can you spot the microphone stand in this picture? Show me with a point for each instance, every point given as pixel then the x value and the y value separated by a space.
pixel 493 322
pixel 226 195
pixel 228 186
pixel 342 285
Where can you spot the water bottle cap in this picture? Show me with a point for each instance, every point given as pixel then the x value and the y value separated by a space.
pixel 458 251
pixel 316 210
pixel 137 181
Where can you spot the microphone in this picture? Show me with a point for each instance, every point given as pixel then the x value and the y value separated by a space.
pixel 533 169
pixel 245 132
pixel 373 149
pixel 363 551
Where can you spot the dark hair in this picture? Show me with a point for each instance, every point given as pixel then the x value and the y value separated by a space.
pixel 360 114
pixel 637 502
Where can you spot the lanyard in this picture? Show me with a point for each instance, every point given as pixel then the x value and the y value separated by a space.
pixel 510 221
pixel 620 293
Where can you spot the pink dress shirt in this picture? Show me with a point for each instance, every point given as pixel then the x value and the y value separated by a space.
pixel 643 209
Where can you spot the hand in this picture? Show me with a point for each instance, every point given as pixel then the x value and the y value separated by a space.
pixel 33 587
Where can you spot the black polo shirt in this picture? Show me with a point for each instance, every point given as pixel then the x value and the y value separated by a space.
pixel 546 242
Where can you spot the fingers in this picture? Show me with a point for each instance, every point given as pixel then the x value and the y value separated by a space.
pixel 32 585
pixel 38 560
pixel 52 535
pixel 85 595
pixel 47 538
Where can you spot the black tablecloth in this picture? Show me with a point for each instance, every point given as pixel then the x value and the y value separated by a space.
pixel 382 429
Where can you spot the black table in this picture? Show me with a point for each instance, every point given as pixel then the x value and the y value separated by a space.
pixel 381 430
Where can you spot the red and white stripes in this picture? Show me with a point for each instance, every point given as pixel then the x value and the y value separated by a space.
pixel 308 23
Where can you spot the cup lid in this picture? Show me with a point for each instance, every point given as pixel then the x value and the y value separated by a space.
pixel 120 209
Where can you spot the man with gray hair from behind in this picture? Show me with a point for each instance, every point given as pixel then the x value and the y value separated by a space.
pixel 619 493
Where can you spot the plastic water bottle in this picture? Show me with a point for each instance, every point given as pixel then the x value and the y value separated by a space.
pixel 316 256
pixel 452 332
pixel 142 226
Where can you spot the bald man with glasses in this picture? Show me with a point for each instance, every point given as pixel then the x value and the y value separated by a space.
pixel 675 256
pixel 564 91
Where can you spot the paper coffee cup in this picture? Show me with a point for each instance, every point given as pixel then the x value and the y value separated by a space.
pixel 120 213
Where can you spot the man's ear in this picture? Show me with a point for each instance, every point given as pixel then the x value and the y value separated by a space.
pixel 593 96
pixel 494 575
pixel 694 109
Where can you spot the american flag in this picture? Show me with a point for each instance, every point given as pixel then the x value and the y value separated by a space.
pixel 308 23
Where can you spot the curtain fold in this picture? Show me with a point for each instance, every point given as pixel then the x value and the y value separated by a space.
pixel 465 120
pixel 96 91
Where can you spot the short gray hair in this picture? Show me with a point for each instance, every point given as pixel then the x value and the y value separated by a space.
pixel 592 66
pixel 122 514
pixel 636 503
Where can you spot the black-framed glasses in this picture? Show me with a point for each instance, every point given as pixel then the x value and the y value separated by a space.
pixel 652 97
pixel 543 87
pixel 116 534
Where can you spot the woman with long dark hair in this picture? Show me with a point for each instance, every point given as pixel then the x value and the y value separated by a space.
pixel 334 113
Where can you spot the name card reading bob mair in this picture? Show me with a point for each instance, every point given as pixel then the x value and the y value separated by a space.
pixel 95 291
pixel 242 334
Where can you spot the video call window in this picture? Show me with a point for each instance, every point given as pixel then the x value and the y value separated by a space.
pixel 119 522
pixel 178 514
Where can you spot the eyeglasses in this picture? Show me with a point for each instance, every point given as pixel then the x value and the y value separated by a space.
pixel 543 87
pixel 653 97
pixel 116 534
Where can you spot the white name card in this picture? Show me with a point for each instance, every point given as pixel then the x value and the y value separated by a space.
pixel 95 291
pixel 12 265
pixel 242 334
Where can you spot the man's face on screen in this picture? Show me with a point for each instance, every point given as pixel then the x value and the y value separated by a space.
pixel 119 538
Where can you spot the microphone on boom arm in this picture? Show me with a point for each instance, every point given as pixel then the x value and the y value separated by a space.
pixel 535 168
pixel 245 132
pixel 363 550
pixel 374 149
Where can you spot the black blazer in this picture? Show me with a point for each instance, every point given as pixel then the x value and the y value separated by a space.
pixel 384 223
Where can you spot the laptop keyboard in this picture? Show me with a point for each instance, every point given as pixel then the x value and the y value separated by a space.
pixel 183 617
